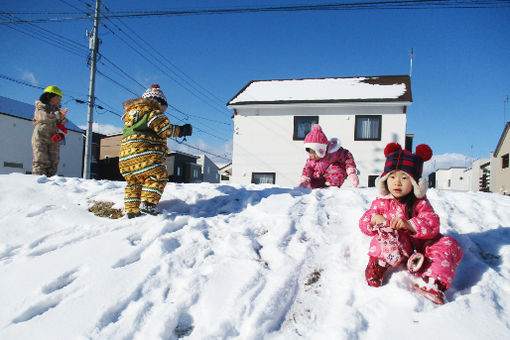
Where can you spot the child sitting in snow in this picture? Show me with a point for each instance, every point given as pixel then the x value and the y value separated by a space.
pixel 328 163
pixel 402 221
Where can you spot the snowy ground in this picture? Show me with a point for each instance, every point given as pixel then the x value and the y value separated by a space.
pixel 233 262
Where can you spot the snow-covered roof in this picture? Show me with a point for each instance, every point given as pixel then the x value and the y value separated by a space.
pixel 325 90
pixel 22 110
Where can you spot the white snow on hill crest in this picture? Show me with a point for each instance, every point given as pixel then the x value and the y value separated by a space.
pixel 234 262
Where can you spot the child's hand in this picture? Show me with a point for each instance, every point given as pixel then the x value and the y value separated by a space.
pixel 63 113
pixel 354 180
pixel 376 219
pixel 400 223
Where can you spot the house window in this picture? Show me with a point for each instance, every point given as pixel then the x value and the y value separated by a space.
pixel 504 161
pixel 303 125
pixel 263 177
pixel 20 165
pixel 368 127
pixel 195 173
pixel 178 171
pixel 371 180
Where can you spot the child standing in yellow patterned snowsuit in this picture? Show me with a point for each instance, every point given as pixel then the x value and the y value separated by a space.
pixel 143 149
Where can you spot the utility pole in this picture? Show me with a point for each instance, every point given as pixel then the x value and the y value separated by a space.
pixel 93 46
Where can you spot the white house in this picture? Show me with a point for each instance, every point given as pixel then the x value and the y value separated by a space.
pixel 15 141
pixel 272 118
pixel 454 178
pixel 210 171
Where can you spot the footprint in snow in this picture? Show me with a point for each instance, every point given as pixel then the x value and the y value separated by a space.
pixel 61 282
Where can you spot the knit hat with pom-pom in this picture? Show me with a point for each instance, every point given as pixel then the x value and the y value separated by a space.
pixel 412 164
pixel 317 141
pixel 155 92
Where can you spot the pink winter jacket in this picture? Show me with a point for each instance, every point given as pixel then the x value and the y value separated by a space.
pixel 424 220
pixel 316 169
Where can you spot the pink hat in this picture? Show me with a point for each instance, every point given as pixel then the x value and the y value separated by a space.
pixel 317 141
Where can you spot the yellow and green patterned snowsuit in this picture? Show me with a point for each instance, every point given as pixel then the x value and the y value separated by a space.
pixel 142 152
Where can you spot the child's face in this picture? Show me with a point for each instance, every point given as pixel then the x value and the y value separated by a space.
pixel 313 155
pixel 399 183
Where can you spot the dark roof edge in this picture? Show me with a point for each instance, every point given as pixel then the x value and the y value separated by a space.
pixel 500 142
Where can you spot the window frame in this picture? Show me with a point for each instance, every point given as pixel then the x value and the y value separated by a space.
pixel 379 135
pixel 505 159
pixel 253 174
pixel 294 134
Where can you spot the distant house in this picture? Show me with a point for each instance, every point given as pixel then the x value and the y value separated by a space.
pixel 454 178
pixel 225 172
pixel 272 118
pixel 209 170
pixel 183 168
pixel 500 169
pixel 109 148
pixel 15 141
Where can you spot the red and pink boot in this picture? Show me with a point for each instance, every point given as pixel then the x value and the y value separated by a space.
pixel 374 272
pixel 431 289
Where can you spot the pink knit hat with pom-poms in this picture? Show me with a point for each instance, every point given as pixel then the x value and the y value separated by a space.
pixel 155 92
pixel 412 164
pixel 317 141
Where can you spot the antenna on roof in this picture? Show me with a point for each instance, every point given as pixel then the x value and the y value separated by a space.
pixel 411 68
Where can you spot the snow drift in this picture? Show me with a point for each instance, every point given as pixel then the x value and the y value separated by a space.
pixel 234 262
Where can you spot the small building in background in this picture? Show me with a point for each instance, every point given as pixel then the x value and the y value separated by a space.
pixel 208 169
pixel 454 178
pixel 109 158
pixel 183 167
pixel 225 172
pixel 16 130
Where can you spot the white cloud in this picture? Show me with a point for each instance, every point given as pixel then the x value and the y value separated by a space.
pixel 105 129
pixel 446 161
pixel 30 77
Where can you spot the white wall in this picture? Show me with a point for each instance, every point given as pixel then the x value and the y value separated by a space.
pixel 16 147
pixel 263 139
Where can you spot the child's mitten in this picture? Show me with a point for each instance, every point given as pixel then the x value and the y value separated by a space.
pixel 354 180
pixel 58 137
pixel 62 128
pixel 304 182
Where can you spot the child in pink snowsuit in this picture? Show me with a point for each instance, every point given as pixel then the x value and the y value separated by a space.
pixel 405 227
pixel 328 163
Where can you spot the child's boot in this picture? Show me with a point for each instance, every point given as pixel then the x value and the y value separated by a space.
pixel 131 215
pixel 374 272
pixel 149 208
pixel 431 289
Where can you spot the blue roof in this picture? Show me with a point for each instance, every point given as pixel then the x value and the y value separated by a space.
pixel 22 110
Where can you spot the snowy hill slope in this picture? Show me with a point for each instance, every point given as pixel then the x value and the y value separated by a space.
pixel 233 262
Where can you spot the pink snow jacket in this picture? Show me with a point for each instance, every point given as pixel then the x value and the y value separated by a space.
pixel 424 220
pixel 335 154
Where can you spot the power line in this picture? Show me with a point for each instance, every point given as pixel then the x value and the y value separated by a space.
pixel 377 5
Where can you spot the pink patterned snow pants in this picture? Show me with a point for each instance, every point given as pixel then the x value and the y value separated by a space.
pixel 442 256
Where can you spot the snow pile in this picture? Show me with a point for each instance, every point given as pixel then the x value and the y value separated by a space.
pixel 237 262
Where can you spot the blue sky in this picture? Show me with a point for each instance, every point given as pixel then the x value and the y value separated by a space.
pixel 460 79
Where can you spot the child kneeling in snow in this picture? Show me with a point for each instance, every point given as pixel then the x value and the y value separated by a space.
pixel 404 226
pixel 328 163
